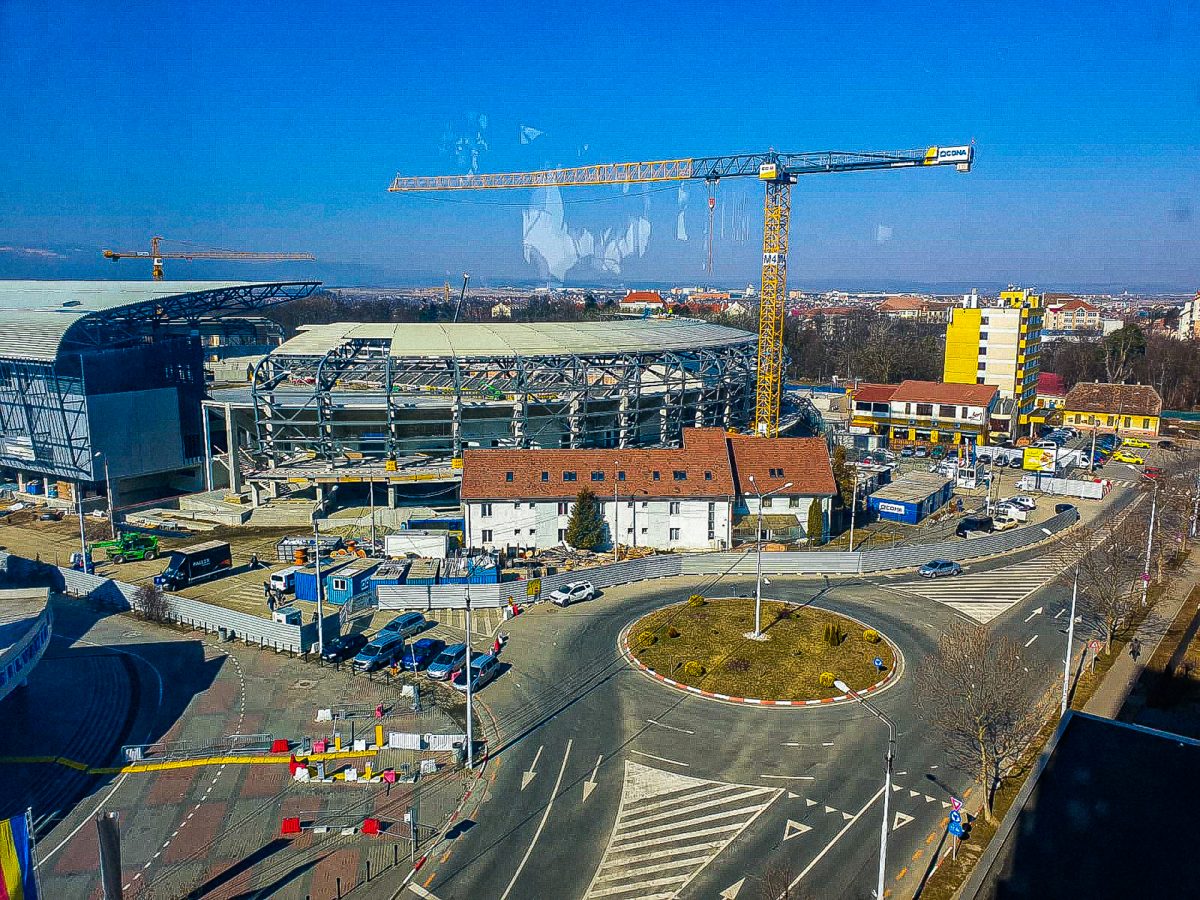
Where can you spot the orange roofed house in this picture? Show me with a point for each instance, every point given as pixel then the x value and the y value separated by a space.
pixel 670 499
pixel 643 302
pixel 924 412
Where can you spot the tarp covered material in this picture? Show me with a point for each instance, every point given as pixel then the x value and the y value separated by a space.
pixel 18 881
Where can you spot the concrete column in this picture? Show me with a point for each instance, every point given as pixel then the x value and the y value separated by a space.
pixel 208 457
pixel 391 496
pixel 20 480
pixel 235 471
pixel 255 498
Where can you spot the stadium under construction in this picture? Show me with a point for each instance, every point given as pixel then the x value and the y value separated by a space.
pixel 398 403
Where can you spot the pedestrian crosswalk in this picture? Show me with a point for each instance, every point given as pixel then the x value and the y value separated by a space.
pixel 985 595
pixel 668 828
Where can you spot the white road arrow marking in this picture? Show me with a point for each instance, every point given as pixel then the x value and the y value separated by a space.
pixel 731 892
pixel 901 820
pixel 846 815
pixel 1030 641
pixel 793 828
pixel 590 784
pixel 830 809
pixel 914 793
pixel 1036 612
pixel 529 775
pixel 792 796
pixel 945 804
pixel 929 799
pixel 808 802
pixel 896 787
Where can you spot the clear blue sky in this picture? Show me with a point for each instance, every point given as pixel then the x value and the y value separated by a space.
pixel 280 126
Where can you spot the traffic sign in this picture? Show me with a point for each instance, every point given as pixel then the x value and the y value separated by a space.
pixel 1095 646
pixel 956 803
pixel 957 830
pixel 878 662
pixel 956 817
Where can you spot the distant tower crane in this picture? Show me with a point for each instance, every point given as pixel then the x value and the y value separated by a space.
pixel 778 171
pixel 157 256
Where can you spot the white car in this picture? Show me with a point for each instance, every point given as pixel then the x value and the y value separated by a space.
pixel 1011 510
pixel 1022 500
pixel 573 592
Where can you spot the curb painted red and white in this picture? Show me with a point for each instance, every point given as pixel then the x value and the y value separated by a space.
pixel 891 678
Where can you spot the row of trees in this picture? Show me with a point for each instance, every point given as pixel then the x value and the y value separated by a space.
pixel 1130 355
pixel 866 345
pixel 978 693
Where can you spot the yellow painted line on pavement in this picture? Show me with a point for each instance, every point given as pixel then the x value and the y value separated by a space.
pixel 277 759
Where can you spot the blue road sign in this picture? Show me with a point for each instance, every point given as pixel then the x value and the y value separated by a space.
pixel 956 829
pixel 878 662
pixel 956 817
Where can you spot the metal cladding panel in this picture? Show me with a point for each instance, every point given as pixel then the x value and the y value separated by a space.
pixel 471 339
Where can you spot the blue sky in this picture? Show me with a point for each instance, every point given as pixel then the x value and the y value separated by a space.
pixel 280 127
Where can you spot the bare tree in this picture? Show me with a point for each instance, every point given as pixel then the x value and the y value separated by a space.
pixel 775 883
pixel 1109 560
pixel 152 603
pixel 983 701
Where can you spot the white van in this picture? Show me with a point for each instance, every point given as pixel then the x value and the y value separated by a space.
pixel 284 580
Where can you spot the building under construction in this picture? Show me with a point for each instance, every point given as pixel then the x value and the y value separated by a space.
pixel 392 402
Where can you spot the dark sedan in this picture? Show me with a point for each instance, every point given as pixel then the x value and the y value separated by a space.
pixel 344 647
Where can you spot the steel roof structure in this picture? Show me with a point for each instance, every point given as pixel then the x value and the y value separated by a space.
pixel 487 339
pixel 38 319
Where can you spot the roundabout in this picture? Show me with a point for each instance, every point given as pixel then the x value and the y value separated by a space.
pixel 701 646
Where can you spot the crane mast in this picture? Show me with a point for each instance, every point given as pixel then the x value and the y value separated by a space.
pixel 778 171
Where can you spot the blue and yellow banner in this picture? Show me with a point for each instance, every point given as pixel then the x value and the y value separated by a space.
pixel 18 881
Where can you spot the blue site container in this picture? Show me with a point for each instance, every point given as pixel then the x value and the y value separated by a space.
pixel 438 523
pixel 348 582
pixel 424 571
pixel 390 572
pixel 306 578
pixel 471 570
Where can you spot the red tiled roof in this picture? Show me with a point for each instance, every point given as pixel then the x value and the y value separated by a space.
pixel 802 461
pixel 896 304
pixel 1114 399
pixel 642 297
pixel 874 393
pixel 707 463
pixel 945 392
pixel 1051 385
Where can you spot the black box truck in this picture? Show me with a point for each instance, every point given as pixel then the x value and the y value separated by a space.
pixel 191 565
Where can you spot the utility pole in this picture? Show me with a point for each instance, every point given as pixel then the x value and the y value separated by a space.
pixel 853 508
pixel 757 633
pixel 320 591
pixel 1196 502
pixel 86 563
pixel 1149 544
pixel 616 514
pixel 1070 642
pixel 371 494
pixel 470 706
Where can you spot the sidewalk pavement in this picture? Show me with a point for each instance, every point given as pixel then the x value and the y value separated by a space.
pixel 1113 691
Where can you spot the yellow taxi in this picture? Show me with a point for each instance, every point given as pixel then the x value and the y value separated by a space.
pixel 1132 459
pixel 1135 442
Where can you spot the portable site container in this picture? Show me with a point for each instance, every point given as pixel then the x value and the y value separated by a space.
pixel 350 581
pixel 390 572
pixel 911 498
pixel 433 544
pixel 470 570
pixel 424 571
pixel 306 577
pixel 285 549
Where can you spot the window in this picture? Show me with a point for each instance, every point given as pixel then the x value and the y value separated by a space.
pixel 656 476
pixel 1146 424
pixel 562 534
pixel 766 502
pixel 645 530
pixel 775 473
pixel 545 476
pixel 794 502
pixel 516 531
pixel 979 380
pixel 564 508
pixel 674 508
pixel 983 335
pixel 485 510
pixel 924 409
pixel 629 505
pixel 620 476
pixel 983 320
pixel 674 535
pixel 947 412
pixel 516 504
pixel 708 476
pixel 339 584
pixel 597 476
pixel 568 476
pixel 680 475
pixel 532 531
pixel 532 505
pixel 712 534
pixel 645 503
pixel 486 535
pixel 508 476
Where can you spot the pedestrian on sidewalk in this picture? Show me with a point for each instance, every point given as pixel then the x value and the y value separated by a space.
pixel 1135 649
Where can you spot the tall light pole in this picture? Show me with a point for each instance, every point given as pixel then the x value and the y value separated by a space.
pixel 887 780
pixel 757 633
pixel 320 592
pixel 1196 502
pixel 470 706
pixel 853 508
pixel 1149 544
pixel 1070 642
pixel 108 493
pixel 85 560
pixel 616 532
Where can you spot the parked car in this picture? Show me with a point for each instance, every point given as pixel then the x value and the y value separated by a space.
pixel 1022 500
pixel 483 669
pixel 572 592
pixel 1130 458
pixel 907 452
pixel 421 653
pixel 1002 522
pixel 1136 442
pixel 936 568
pixel 1063 507
pixel 381 651
pixel 1153 472
pixel 922 452
pixel 406 625
pixel 972 524
pixel 1013 511
pixel 343 647
pixel 51 515
pixel 938 452
pixel 447 663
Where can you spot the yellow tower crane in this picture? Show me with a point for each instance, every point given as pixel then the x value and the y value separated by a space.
pixel 157 256
pixel 778 171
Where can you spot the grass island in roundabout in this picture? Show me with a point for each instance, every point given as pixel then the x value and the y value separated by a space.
pixel 702 645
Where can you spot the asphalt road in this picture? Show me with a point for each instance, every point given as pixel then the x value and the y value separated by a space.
pixel 696 798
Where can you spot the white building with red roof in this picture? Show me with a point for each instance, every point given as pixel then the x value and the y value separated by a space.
pixel 924 412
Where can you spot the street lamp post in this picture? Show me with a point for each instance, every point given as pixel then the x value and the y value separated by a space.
pixel 616 513
pixel 887 780
pixel 108 494
pixel 853 508
pixel 1149 544
pixel 1070 642
pixel 757 633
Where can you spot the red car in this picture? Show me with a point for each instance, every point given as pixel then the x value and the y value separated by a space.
pixel 1153 472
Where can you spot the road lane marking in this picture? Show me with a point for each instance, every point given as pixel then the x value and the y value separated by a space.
pixel 837 837
pixel 590 784
pixel 662 759
pixel 529 774
pixel 542 824
pixel 1031 640
pixel 791 777
pixel 422 892
pixel 669 727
